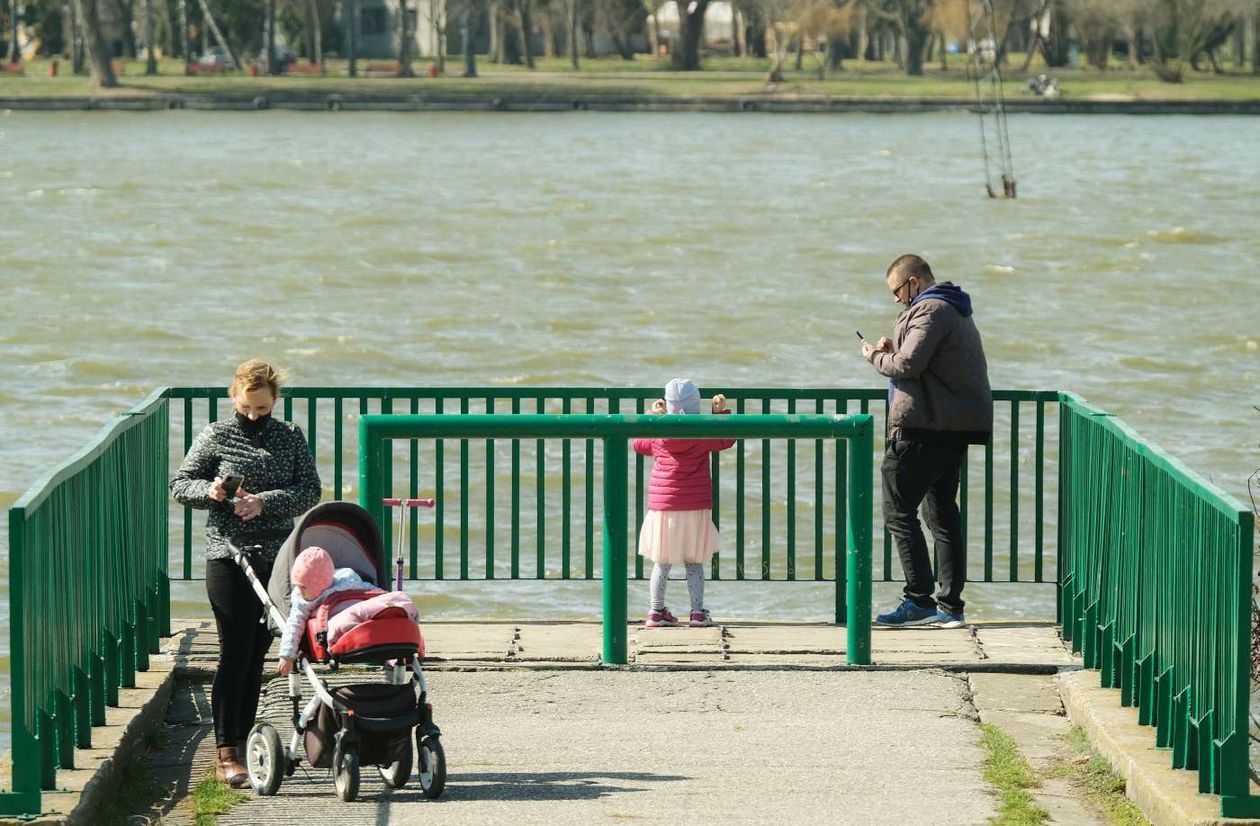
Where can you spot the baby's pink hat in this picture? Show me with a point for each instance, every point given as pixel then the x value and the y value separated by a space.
pixel 312 570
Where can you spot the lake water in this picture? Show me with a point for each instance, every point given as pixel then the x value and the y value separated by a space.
pixel 139 250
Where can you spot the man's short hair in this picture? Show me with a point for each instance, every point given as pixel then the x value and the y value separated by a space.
pixel 908 266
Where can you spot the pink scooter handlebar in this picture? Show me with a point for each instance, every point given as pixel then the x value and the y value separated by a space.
pixel 409 503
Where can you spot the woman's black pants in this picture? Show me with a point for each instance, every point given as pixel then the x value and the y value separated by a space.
pixel 243 644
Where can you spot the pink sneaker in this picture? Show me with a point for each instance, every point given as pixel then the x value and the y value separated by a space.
pixel 660 619
pixel 701 619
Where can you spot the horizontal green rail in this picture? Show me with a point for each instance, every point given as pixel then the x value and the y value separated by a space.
pixel 523 509
pixel 88 593
pixel 1156 594
pixel 377 433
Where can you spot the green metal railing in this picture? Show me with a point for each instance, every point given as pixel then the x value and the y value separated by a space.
pixel 523 509
pixel 88 593
pixel 1154 564
pixel 377 433
pixel 1156 594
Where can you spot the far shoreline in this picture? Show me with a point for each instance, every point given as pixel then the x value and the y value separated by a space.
pixel 569 101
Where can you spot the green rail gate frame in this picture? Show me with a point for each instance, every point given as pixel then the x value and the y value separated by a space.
pixel 376 432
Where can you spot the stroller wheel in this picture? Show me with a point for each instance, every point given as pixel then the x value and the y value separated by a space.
pixel 265 759
pixel 432 765
pixel 397 773
pixel 346 771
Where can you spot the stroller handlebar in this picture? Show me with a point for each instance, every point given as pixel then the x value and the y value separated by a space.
pixel 409 503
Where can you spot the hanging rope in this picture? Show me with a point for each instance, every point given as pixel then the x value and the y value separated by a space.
pixel 983 70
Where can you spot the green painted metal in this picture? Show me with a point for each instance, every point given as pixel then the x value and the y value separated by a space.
pixel 87 562
pixel 1155 592
pixel 376 434
pixel 551 493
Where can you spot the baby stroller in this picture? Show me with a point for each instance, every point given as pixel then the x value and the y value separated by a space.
pixel 344 727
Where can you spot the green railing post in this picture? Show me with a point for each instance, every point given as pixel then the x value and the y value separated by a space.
pixel 372 455
pixel 25 796
pixel 615 469
pixel 858 621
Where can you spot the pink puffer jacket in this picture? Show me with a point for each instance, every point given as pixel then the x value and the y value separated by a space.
pixel 680 476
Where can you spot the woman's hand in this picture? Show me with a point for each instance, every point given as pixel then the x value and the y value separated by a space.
pixel 217 493
pixel 285 668
pixel 658 406
pixel 884 345
pixel 248 506
pixel 719 403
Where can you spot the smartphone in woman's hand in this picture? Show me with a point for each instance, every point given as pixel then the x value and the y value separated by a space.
pixel 231 483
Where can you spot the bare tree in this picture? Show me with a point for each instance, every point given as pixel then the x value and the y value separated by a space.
pixel 406 40
pixel 1184 29
pixel 98 54
pixel 1098 22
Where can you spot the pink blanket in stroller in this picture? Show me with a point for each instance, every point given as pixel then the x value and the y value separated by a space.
pixel 352 613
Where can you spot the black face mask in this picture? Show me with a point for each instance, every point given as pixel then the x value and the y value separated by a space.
pixel 252 427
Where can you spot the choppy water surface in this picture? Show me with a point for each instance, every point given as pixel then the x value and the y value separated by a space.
pixel 601 249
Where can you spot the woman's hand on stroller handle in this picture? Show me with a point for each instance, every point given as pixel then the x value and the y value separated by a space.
pixel 285 668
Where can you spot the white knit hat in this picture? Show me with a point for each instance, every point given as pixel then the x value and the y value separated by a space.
pixel 682 396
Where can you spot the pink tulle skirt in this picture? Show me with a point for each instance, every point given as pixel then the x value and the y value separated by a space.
pixel 675 537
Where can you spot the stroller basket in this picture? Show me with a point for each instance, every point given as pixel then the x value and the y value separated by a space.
pixel 383 717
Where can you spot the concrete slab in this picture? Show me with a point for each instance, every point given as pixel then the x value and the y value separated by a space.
pixel 560 643
pixel 599 747
pixel 1022 644
pixel 469 641
pixel 1164 794
pixel 795 639
pixel 1016 692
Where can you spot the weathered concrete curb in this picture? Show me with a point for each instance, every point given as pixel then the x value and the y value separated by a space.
pixel 569 101
pixel 98 771
pixel 1165 795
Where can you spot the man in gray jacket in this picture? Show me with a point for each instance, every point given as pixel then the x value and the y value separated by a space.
pixel 939 401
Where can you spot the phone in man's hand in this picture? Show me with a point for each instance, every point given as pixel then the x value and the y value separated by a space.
pixel 232 483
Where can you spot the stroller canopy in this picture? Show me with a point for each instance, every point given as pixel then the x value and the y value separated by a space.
pixel 346 531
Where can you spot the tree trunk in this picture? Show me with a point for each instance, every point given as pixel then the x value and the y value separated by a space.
pixel 836 47
pixel 183 33
pixel 314 34
pixel 945 51
pixel 126 15
pixel 76 37
pixel 736 28
pixel 800 50
pixel 527 28
pixel 405 41
pixel 15 53
pixel 98 54
pixel 755 39
pixel 1255 41
pixel 687 58
pixel 150 62
pixel 573 34
pixel 495 52
pixel 1055 47
pixel 917 35
pixel 466 40
pixel 272 64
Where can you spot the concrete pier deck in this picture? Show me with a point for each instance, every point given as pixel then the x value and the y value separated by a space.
pixel 738 723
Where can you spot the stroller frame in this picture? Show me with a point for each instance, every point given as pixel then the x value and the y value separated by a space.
pixel 268 761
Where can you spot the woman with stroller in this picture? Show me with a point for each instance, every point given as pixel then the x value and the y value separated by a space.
pixel 254 474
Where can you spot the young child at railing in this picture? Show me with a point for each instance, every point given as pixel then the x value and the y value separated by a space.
pixel 678 527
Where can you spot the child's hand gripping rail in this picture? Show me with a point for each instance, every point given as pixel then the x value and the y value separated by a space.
pixel 403 505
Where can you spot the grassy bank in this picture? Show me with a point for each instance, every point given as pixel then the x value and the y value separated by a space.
pixel 643 77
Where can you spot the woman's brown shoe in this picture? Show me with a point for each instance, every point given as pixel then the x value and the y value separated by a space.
pixel 229 769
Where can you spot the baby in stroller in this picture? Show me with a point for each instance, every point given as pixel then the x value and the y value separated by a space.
pixel 328 608
pixel 314 581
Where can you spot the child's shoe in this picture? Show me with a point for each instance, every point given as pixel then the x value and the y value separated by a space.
pixel 701 619
pixel 660 619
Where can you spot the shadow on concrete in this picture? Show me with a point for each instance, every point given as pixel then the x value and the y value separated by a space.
pixel 544 785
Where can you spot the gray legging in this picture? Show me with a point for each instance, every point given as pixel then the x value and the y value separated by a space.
pixel 695 585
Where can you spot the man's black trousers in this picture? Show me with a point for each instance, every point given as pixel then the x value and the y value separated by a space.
pixel 921 474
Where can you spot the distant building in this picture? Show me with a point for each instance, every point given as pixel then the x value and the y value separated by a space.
pixel 378 30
